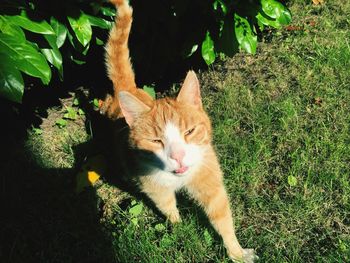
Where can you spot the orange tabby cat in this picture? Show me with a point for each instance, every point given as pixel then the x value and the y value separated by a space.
pixel 169 141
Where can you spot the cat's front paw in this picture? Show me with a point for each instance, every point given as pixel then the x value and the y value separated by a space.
pixel 174 217
pixel 248 256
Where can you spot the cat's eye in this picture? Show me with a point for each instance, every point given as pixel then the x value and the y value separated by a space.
pixel 190 131
pixel 158 141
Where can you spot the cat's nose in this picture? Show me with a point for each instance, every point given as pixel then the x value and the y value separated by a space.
pixel 178 156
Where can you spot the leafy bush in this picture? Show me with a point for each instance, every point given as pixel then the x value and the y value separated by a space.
pixel 238 23
pixel 33 34
pixel 31 40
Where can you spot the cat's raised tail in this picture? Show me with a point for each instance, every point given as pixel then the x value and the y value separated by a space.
pixel 118 62
pixel 117 52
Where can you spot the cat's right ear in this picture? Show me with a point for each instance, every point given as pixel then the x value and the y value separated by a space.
pixel 190 91
pixel 131 106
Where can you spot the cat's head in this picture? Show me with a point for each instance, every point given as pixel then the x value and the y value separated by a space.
pixel 177 131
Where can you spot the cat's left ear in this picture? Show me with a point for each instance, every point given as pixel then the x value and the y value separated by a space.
pixel 132 108
pixel 190 91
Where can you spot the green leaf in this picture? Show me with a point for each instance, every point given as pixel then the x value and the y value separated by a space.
pixel 260 25
pixel 75 102
pixel 85 50
pixel 81 112
pixel 97 105
pixel 78 47
pixel 52 41
pixel 37 27
pixel 222 4
pixel 37 131
pixel 159 227
pixel 60 31
pixel 26 57
pixel 292 180
pixel 71 114
pixel 265 20
pixel 75 42
pixel 77 61
pixel 189 49
pixel 193 49
pixel 276 10
pixel 99 22
pixel 208 52
pixel 99 42
pixel 150 90
pixel 8 28
pixel 53 55
pixel 61 123
pixel 285 18
pixel 136 210
pixel 82 28
pixel 245 36
pixel 11 81
pixel 107 11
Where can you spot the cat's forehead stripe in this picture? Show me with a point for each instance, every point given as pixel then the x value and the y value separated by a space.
pixel 172 132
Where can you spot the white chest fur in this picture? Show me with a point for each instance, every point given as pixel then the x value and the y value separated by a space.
pixel 171 180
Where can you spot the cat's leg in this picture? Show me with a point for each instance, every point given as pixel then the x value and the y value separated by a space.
pixel 211 195
pixel 165 200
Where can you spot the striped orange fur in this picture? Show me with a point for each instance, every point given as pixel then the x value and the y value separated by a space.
pixel 118 63
pixel 168 144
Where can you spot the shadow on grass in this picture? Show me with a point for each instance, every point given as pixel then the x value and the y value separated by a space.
pixel 43 218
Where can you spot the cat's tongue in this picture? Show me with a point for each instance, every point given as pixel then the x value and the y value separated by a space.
pixel 181 170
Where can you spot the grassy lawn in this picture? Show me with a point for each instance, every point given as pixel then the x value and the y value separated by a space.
pixel 281 128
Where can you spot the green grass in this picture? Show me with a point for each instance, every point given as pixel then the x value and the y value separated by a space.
pixel 282 131
pixel 285 114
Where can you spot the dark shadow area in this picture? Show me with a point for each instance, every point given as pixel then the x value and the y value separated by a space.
pixel 162 32
pixel 43 218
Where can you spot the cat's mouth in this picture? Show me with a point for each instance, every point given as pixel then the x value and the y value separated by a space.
pixel 181 170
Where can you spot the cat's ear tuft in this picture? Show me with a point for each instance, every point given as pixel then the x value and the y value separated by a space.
pixel 190 91
pixel 131 106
